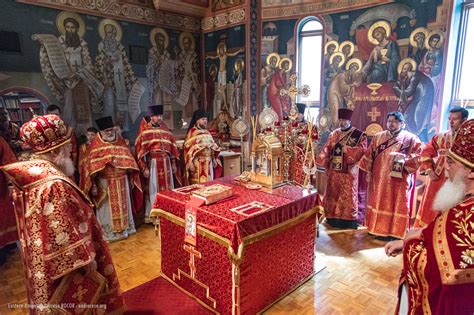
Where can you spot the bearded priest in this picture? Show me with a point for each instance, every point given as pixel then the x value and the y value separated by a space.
pixel 65 258
pixel 438 261
pixel 156 154
pixel 200 151
pixel 114 182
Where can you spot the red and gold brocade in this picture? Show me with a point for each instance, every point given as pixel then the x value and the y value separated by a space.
pixel 431 159
pixel 439 268
pixel 82 165
pixel 59 234
pixel 114 162
pixel 298 130
pixel 157 143
pixel 387 211
pixel 8 233
pixel 340 198
pixel 200 150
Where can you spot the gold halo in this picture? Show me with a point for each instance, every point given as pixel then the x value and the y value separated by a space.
pixel 354 60
pixel 345 43
pixel 331 42
pixel 104 22
pixel 416 31
pixel 343 58
pixel 441 39
pixel 289 62
pixel 221 44
pixel 182 35
pixel 385 25
pixel 66 14
pixel 373 129
pixel 403 62
pixel 239 62
pixel 153 34
pixel 269 57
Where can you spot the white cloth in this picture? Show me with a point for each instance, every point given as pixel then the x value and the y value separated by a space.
pixel 153 186
pixel 403 310
pixel 104 216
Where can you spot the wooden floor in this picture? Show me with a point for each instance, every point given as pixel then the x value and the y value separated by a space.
pixel 357 279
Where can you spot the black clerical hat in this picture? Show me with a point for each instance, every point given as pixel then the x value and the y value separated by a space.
pixel 154 110
pixel 105 123
pixel 344 113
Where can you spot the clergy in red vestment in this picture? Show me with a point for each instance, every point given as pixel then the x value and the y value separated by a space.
pixel 8 233
pixel 390 162
pixel 65 258
pixel 156 154
pixel 344 148
pixel 113 182
pixel 200 151
pixel 84 156
pixel 438 260
pixel 432 164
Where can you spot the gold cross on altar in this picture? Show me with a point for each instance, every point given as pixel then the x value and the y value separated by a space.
pixel 192 252
pixel 373 114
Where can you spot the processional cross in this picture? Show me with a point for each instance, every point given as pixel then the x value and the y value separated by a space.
pixel 292 92
pixel 192 252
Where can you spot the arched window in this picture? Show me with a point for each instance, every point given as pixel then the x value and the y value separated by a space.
pixel 464 73
pixel 310 41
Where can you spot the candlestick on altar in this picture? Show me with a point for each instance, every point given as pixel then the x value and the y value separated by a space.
pixel 310 168
pixel 241 127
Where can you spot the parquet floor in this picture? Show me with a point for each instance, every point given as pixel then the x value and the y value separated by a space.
pixel 358 278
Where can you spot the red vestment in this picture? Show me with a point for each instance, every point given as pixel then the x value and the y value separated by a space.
pixel 429 154
pixel 438 269
pixel 59 235
pixel 387 212
pixel 8 232
pixel 114 161
pixel 340 198
pixel 199 150
pixel 82 164
pixel 159 144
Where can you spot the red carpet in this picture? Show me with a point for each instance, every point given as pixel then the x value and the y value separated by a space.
pixel 158 296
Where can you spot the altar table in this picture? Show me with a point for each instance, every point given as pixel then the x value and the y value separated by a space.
pixel 241 264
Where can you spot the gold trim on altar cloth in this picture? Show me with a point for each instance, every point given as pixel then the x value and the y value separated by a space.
pixel 189 294
pixel 208 294
pixel 248 206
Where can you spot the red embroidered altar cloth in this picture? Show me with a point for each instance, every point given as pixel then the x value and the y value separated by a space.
pixel 241 264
